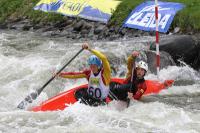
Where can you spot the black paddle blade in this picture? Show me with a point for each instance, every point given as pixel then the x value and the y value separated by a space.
pixel 128 102
pixel 28 99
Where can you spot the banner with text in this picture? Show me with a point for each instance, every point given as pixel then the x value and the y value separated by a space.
pixel 97 10
pixel 143 16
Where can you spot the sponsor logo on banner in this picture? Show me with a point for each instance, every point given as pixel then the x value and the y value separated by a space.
pixel 97 10
pixel 143 16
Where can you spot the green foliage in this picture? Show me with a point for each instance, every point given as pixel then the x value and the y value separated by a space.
pixel 7 8
pixel 123 10
pixel 188 18
pixel 13 9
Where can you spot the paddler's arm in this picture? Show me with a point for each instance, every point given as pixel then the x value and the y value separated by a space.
pixel 130 62
pixel 75 75
pixel 140 92
pixel 137 91
pixel 106 66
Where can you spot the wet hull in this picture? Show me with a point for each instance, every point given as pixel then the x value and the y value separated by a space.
pixel 63 100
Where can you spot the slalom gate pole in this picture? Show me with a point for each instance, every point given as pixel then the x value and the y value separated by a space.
pixel 157 39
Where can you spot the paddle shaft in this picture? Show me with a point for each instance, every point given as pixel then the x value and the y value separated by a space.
pixel 132 73
pixel 42 88
pixel 34 95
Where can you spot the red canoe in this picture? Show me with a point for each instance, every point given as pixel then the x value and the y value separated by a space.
pixel 62 100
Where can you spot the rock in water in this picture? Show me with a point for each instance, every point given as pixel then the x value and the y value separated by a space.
pixel 182 47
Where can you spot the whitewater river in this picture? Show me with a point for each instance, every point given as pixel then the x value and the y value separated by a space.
pixel 28 60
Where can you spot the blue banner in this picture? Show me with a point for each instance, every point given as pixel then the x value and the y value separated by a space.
pixel 143 16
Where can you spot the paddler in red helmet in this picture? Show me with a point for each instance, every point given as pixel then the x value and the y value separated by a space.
pixel 98 76
pixel 134 86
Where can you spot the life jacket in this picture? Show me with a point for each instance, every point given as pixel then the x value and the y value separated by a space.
pixel 96 87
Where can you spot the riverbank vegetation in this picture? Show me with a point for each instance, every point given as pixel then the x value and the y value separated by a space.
pixel 187 19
